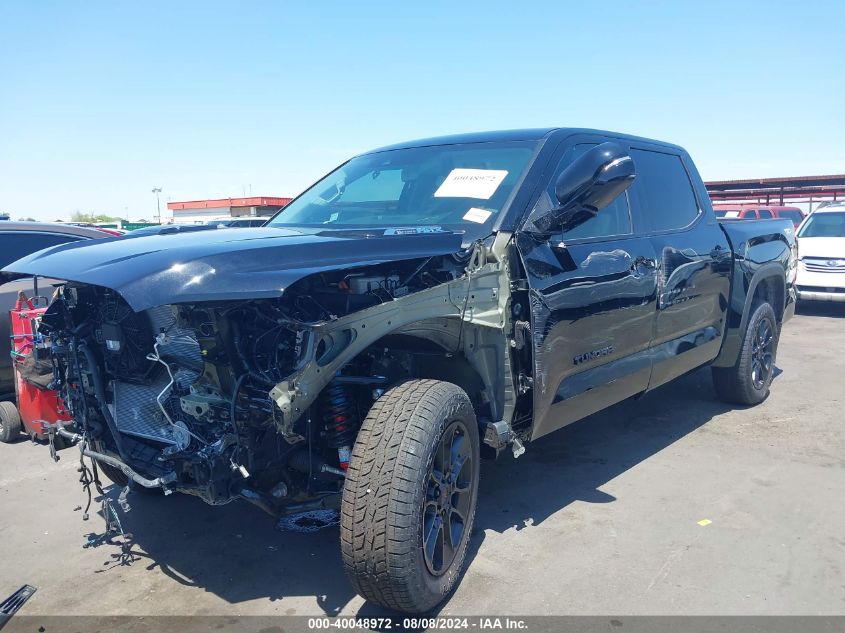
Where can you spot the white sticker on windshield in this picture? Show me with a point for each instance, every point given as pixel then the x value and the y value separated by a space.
pixel 477 215
pixel 471 183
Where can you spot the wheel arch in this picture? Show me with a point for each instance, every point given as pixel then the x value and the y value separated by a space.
pixel 766 284
pixel 430 351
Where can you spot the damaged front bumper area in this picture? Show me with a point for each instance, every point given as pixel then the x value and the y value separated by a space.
pixel 261 399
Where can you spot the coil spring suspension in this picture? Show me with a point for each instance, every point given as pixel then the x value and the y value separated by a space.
pixel 340 420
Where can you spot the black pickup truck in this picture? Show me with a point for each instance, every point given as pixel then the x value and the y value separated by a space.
pixel 420 308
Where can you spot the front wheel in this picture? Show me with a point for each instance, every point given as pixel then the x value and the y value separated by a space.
pixel 410 495
pixel 748 381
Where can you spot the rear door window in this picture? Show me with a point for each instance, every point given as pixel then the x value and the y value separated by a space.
pixel 663 191
pixel 765 214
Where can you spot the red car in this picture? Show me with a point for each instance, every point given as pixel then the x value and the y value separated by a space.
pixel 789 213
pixel 735 212
pixel 759 212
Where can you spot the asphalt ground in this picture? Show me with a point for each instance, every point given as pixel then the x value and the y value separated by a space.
pixel 674 503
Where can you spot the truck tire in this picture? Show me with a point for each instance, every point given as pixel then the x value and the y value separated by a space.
pixel 413 474
pixel 748 381
pixel 10 422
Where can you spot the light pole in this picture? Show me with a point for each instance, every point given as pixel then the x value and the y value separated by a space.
pixel 157 191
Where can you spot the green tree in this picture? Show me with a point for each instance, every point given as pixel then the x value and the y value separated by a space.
pixel 90 218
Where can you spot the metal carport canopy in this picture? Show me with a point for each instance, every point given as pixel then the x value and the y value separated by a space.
pixel 778 190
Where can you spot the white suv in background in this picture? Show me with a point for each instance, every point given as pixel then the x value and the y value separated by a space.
pixel 821 255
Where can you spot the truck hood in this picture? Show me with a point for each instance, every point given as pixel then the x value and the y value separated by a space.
pixel 224 264
pixel 833 247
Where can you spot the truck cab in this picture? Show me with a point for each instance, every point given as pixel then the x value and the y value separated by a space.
pixel 630 298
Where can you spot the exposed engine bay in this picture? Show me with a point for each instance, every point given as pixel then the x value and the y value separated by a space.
pixel 262 399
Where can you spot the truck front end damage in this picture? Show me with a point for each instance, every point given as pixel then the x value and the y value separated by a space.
pixel 261 399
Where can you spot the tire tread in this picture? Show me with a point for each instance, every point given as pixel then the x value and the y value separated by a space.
pixel 378 520
pixel 733 384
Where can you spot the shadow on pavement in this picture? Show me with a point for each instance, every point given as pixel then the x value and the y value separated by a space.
pixel 821 308
pixel 234 551
pixel 573 463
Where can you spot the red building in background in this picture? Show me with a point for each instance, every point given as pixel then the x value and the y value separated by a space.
pixel 200 211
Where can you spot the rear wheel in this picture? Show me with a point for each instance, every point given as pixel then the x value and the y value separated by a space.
pixel 748 381
pixel 10 422
pixel 410 495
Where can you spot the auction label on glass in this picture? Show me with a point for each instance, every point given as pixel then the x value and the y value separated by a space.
pixel 471 183
pixel 479 216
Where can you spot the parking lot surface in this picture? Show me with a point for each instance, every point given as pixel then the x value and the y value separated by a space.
pixel 671 504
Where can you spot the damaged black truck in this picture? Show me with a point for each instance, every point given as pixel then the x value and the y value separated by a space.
pixel 422 307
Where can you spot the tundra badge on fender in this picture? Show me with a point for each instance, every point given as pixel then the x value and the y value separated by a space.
pixel 596 353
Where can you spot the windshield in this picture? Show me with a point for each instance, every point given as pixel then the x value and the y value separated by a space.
pixel 824 225
pixel 461 188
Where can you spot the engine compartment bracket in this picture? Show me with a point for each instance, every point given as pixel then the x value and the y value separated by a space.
pixel 470 299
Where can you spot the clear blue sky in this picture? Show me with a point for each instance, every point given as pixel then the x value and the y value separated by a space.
pixel 101 101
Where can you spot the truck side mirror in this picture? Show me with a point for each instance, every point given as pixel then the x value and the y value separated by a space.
pixel 587 186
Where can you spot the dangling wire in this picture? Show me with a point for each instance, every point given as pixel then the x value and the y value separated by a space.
pixel 88 478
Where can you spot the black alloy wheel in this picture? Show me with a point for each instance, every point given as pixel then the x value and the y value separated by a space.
pixel 762 354
pixel 448 498
pixel 410 496
pixel 747 382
